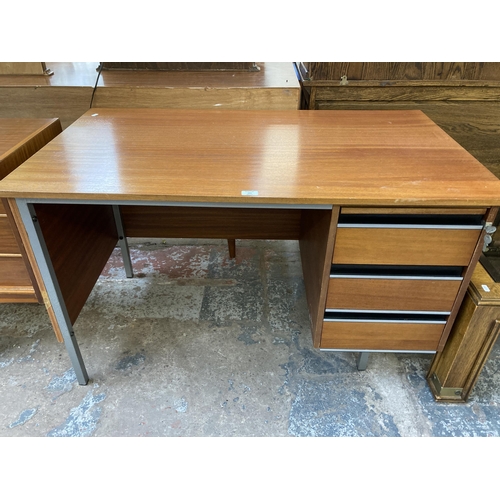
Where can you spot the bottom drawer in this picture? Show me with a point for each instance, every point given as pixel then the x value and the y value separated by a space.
pixel 381 336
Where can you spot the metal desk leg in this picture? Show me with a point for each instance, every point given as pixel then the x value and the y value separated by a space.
pixel 56 299
pixel 122 241
pixel 362 361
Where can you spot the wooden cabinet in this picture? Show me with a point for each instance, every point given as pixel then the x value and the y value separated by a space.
pixel 19 139
pixel 455 371
pixel 396 278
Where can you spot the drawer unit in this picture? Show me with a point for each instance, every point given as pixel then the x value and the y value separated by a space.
pixel 8 243
pixel 395 278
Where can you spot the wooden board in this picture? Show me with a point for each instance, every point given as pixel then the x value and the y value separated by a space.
pixel 316 247
pixel 79 257
pixel 227 223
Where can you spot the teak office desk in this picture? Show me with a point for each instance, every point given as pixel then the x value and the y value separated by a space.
pixel 389 211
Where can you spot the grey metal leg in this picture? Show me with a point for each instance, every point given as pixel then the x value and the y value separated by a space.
pixel 362 361
pixel 52 287
pixel 122 241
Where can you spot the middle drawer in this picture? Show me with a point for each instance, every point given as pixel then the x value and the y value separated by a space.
pixel 383 294
pixel 8 243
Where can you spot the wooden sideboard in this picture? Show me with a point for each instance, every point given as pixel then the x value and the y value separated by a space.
pixel 19 139
pixel 456 369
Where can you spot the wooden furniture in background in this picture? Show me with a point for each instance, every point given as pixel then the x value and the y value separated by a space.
pixel 275 86
pixel 24 68
pixel 66 94
pixel 455 370
pixel 19 139
pixel 182 66
pixel 312 177
pixel 76 87
pixel 462 98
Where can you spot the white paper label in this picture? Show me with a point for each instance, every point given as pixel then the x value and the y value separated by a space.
pixel 250 193
pixel 486 288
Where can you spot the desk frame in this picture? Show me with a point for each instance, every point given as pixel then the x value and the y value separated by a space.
pixel 316 257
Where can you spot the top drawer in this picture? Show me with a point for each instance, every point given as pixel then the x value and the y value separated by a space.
pixel 414 239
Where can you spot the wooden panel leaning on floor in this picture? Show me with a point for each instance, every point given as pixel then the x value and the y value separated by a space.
pixel 19 276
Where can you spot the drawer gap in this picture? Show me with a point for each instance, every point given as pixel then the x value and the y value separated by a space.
pixel 396 272
pixel 413 219
pixel 385 317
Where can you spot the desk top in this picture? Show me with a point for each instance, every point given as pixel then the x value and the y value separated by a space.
pixel 288 157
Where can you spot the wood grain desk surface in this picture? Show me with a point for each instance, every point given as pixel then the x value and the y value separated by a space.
pixel 376 158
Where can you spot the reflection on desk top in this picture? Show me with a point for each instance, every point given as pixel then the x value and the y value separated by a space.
pixel 291 157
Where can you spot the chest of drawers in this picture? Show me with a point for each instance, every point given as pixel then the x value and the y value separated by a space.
pixel 397 276
pixel 19 139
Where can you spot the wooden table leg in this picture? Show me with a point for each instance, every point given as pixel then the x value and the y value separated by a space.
pixel 232 248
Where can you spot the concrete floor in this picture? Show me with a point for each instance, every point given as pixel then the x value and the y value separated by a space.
pixel 199 345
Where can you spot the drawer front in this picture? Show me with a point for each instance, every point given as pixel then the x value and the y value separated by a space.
pixel 13 272
pixel 392 294
pixel 396 246
pixel 8 243
pixel 2 207
pixel 381 336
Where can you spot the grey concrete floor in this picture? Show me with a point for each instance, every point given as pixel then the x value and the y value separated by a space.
pixel 199 345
